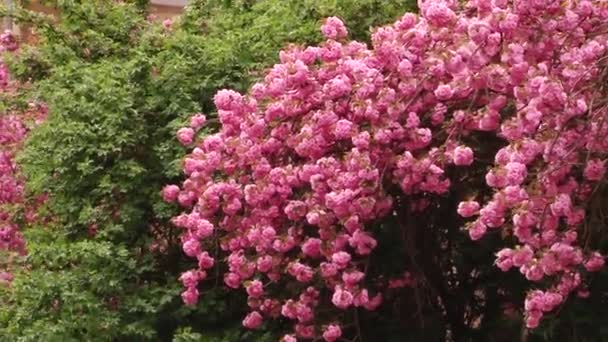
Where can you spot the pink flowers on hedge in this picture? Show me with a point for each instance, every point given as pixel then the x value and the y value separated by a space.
pixel 170 193
pixel 14 127
pixel 186 135
pixel 289 186
pixel 13 131
pixel 8 42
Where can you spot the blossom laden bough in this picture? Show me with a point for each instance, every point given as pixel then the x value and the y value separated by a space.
pixel 301 167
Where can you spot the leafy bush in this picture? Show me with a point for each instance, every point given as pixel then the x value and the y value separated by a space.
pixel 118 87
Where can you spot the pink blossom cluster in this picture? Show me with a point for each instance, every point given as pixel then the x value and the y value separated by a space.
pixel 301 166
pixel 14 127
pixel 13 131
pixel 8 43
pixel 4 76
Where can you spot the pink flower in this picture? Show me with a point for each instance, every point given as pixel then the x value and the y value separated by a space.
pixel 170 193
pixel 362 298
pixel 533 319
pixel 190 278
pixel 595 263
pixel 405 68
pixel 255 289
pixel 504 259
pixel 479 32
pixel 583 293
pixel 373 302
pixel 167 23
pixel 253 320
pixel 202 229
pixel 516 173
pixel 232 280
pixel 562 206
pixel 444 92
pixel 185 136
pixel 334 28
pixel 522 256
pixel 344 129
pixel 338 87
pixel 550 300
pixel 328 269
pixel 341 259
pixel 477 230
pixel 305 331
pixel 534 272
pixel 342 298
pixel 192 248
pixel 5 277
pixel 492 214
pixel 205 261
pixel 468 208
pixel 362 242
pixel 352 277
pixel 463 156
pixel 289 338
pixel 301 272
pixel 225 99
pixel 332 333
pixel 438 14
pixel 595 170
pixel 496 179
pixel 289 309
pixel 190 296
pixel 264 264
pixel 353 224
pixel 303 313
pixel 8 42
pixel 197 121
pixel 312 247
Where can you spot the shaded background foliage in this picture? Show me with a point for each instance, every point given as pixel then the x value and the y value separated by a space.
pixel 119 87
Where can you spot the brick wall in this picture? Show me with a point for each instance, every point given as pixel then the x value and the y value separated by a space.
pixel 162 12
pixel 160 9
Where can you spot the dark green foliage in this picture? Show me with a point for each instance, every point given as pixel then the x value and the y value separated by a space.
pixel 118 88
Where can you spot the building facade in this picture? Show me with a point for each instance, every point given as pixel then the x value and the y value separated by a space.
pixel 161 9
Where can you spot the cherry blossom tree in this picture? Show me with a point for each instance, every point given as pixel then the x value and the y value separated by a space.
pixel 506 96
